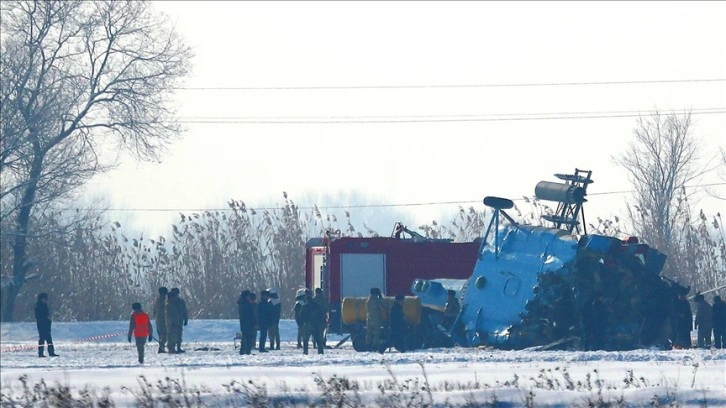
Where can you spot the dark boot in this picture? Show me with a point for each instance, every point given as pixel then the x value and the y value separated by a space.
pixel 51 351
pixel 161 350
pixel 41 349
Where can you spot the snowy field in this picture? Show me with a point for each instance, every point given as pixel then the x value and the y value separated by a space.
pixel 95 357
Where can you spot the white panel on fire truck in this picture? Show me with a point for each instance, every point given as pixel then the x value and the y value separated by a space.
pixel 361 272
pixel 318 260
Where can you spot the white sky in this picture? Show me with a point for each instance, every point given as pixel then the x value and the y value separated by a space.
pixel 368 44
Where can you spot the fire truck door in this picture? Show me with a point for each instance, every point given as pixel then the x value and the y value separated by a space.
pixel 361 272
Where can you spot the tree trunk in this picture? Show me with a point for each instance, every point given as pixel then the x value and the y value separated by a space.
pixel 20 264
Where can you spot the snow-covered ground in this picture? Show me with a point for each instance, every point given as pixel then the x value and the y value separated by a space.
pixel 95 355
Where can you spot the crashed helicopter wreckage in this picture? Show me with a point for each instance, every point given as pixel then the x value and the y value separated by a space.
pixel 532 285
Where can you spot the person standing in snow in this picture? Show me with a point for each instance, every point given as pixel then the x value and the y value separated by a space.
pixel 703 322
pixel 246 322
pixel 299 302
pixel 324 307
pixel 256 313
pixel 43 322
pixel 682 321
pixel 719 322
pixel 160 316
pixel 176 317
pixel 313 319
pixel 140 328
pixel 374 319
pixel 274 329
pixel 595 322
pixel 396 325
pixel 264 318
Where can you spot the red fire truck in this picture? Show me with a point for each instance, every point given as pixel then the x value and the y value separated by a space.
pixel 350 267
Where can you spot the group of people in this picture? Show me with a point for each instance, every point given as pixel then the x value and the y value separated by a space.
pixel 170 312
pixel 709 320
pixel 375 312
pixel 263 316
pixel 311 316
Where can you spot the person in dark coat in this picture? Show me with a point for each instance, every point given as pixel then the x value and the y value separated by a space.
pixel 42 320
pixel 256 313
pixel 177 316
pixel 313 318
pixel 682 320
pixel 719 322
pixel 274 329
pixel 397 325
pixel 264 310
pixel 247 322
pixel 598 321
pixel 451 309
pixel 160 316
pixel 703 322
pixel 322 301
pixel 299 302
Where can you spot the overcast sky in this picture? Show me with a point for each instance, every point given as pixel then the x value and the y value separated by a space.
pixel 420 102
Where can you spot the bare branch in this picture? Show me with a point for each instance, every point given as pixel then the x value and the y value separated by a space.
pixel 78 77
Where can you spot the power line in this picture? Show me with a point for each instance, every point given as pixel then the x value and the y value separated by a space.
pixel 430 119
pixel 431 86
pixel 342 207
pixel 440 118
pixel 640 111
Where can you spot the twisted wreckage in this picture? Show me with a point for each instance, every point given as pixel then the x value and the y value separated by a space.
pixel 529 285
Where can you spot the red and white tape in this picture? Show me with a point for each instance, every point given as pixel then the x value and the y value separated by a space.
pixel 20 347
pixel 102 336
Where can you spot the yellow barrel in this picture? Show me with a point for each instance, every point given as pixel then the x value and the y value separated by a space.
pixel 360 304
pixel 412 310
pixel 354 309
pixel 349 312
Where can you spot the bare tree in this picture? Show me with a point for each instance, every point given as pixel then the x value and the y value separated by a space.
pixel 80 80
pixel 661 160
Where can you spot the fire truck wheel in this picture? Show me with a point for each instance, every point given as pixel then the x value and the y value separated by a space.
pixel 359 342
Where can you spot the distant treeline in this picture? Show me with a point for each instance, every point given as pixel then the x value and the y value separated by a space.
pixel 94 270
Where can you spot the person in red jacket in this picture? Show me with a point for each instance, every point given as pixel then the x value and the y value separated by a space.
pixel 140 327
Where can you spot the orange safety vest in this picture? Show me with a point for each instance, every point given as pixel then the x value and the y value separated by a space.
pixel 141 324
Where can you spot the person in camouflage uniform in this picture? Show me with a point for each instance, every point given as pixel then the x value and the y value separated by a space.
pixel 313 318
pixel 160 316
pixel 324 305
pixel 374 319
pixel 176 317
